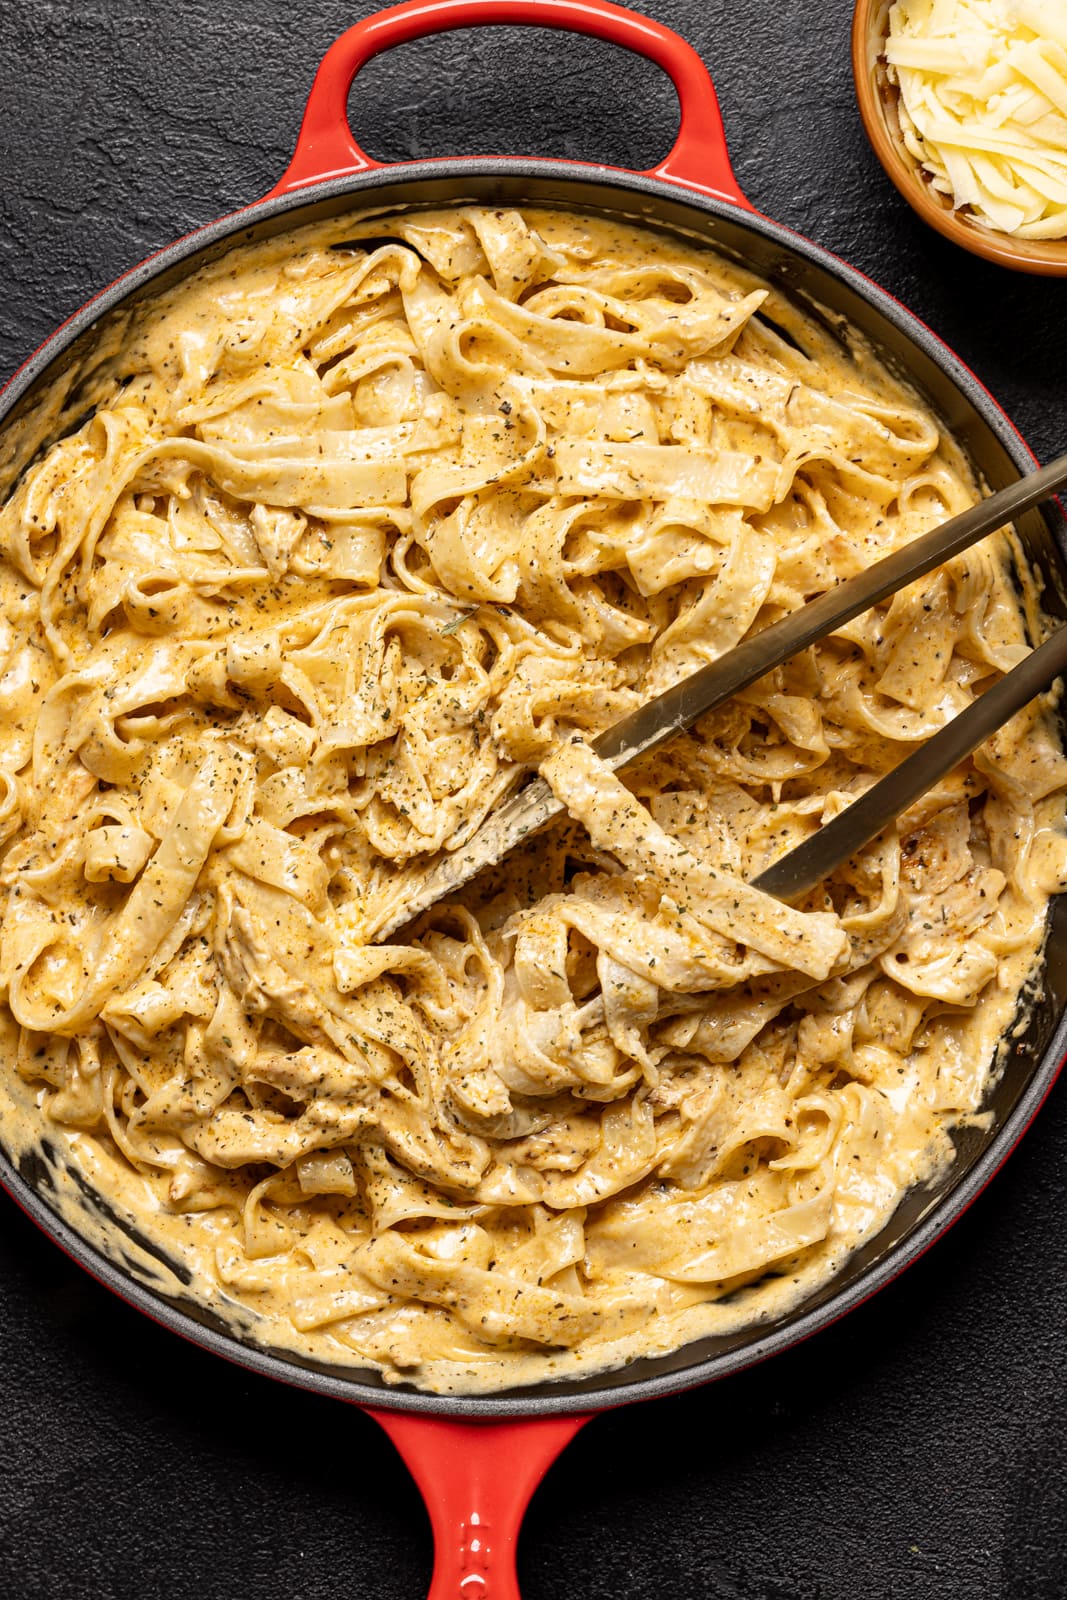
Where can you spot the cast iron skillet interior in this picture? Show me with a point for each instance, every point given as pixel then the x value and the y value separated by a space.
pixel 54 393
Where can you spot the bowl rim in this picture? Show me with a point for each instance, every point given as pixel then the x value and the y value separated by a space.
pixel 1046 258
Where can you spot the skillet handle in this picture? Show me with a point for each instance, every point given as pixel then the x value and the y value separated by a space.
pixel 476 1479
pixel 325 147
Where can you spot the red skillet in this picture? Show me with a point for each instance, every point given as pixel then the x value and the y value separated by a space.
pixel 478 1460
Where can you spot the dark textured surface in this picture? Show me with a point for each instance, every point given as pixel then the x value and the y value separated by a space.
pixel 918 1448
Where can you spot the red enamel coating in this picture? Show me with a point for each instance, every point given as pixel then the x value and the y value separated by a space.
pixel 476 1479
pixel 325 147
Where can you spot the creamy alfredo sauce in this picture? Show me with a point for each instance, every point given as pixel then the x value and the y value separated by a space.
pixel 359 536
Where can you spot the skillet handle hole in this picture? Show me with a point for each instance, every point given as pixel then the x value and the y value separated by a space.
pixel 514 91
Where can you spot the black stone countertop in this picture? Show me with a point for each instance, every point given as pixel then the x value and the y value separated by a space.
pixel 917 1448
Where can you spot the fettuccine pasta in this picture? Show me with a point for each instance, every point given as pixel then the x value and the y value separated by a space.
pixel 369 524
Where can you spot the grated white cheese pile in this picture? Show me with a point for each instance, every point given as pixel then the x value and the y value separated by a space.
pixel 983 105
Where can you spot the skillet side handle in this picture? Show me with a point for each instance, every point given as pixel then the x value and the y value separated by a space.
pixel 326 148
pixel 476 1479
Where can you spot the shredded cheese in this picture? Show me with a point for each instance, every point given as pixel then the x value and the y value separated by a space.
pixel 983 106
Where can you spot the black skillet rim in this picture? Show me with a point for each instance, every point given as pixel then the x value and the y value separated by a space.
pixel 579 186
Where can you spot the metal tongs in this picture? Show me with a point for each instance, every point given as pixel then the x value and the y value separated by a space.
pixel 679 707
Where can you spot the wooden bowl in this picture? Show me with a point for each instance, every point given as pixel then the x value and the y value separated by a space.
pixel 878 100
